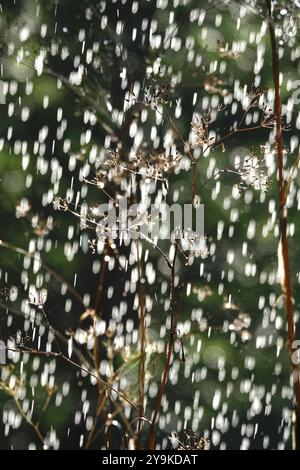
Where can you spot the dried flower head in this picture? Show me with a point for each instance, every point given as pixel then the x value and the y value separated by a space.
pixel 155 164
pixel 191 441
pixel 9 293
pixel 251 174
pixel 22 208
pixel 200 130
pixel 37 297
pixel 225 51
pixel 20 339
pixel 254 93
pixel 192 241
pixel 155 93
pixel 215 85
pixel 42 227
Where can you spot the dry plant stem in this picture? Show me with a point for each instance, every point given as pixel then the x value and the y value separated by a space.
pixel 141 295
pixel 118 412
pixel 169 355
pixel 50 329
pixel 218 172
pixel 191 156
pixel 96 355
pixel 98 298
pixel 49 270
pixel 216 144
pixel 29 421
pixel 154 245
pixel 99 411
pixel 176 130
pixel 287 288
pixel 91 435
pixel 144 237
pixel 59 355
pixel 194 168
pixel 59 335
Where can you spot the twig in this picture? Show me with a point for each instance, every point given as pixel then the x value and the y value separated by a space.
pixel 58 355
pixel 194 169
pixel 59 335
pixel 49 270
pixel 287 286
pixel 96 355
pixel 50 328
pixel 157 248
pixel 141 296
pixel 169 355
pixel 98 298
pixel 29 421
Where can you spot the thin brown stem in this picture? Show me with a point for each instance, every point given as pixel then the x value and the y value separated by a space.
pixel 50 328
pixel 96 353
pixel 59 355
pixel 177 132
pixel 99 292
pixel 29 421
pixel 169 355
pixel 287 283
pixel 236 130
pixel 91 435
pixel 194 169
pixel 144 237
pixel 49 270
pixel 141 296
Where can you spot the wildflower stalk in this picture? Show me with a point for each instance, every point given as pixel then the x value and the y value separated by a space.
pixel 283 221
pixel 169 355
pixel 193 161
pixel 98 298
pixel 91 436
pixel 96 354
pixel 29 421
pixel 47 268
pixel 59 355
pixel 141 295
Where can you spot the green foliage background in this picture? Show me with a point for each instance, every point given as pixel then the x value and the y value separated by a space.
pixel 266 377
